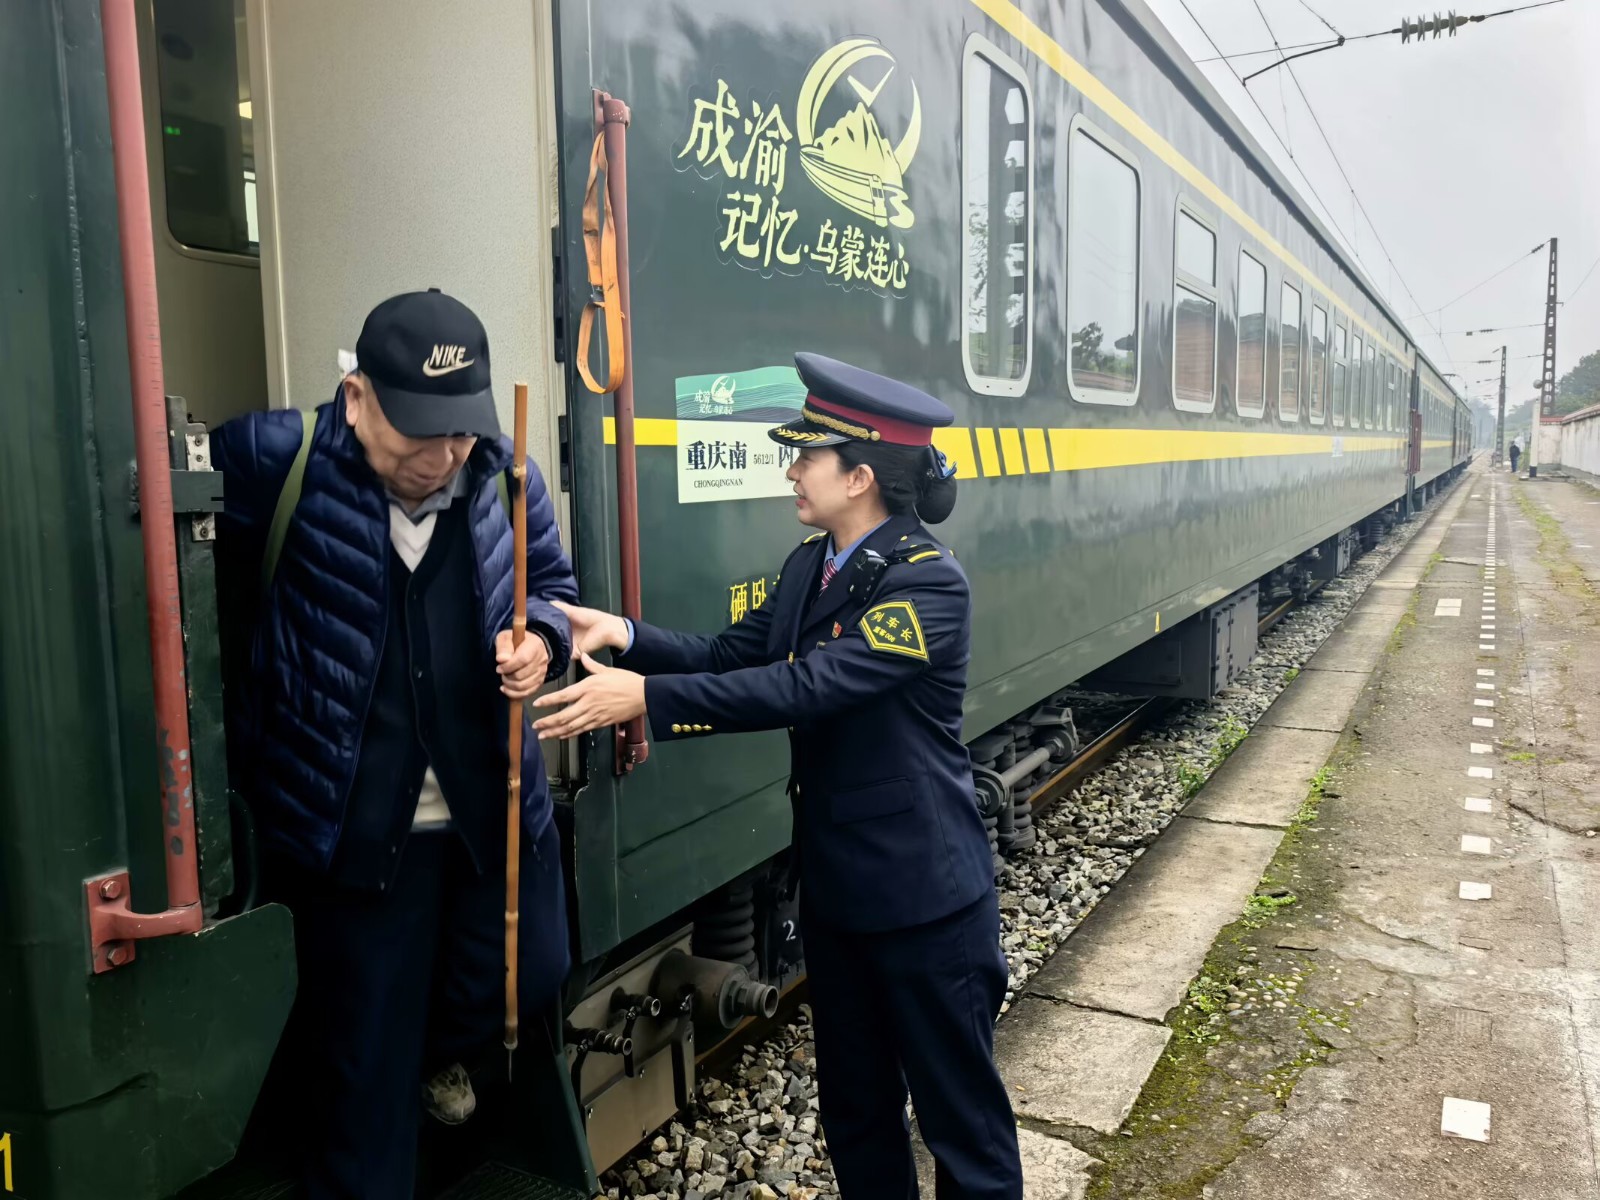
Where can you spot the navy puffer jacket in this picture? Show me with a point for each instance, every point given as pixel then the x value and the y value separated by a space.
pixel 315 642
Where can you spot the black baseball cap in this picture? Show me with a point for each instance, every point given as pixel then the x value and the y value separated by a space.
pixel 428 359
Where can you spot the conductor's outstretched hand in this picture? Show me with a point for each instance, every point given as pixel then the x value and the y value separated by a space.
pixel 593 629
pixel 609 696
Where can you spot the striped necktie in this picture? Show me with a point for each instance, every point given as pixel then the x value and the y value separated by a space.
pixel 828 572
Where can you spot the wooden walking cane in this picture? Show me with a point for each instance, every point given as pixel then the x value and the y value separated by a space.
pixel 519 630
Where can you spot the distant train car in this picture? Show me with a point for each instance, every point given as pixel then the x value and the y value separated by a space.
pixel 1176 399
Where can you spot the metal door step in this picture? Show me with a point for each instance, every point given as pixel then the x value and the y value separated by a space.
pixel 496 1181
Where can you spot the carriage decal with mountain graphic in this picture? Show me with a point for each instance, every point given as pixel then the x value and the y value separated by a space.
pixel 839 141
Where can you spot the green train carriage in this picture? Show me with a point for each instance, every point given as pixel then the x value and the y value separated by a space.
pixel 1170 386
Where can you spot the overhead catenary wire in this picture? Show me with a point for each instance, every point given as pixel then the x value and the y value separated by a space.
pixel 1259 53
pixel 1493 329
pixel 1321 18
pixel 1306 179
pixel 1311 187
pixel 1403 30
pixel 1514 263
pixel 1354 195
pixel 1581 282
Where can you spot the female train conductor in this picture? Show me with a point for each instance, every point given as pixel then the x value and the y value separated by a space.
pixel 861 653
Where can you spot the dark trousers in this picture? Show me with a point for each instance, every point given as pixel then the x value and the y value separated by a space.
pixel 913 1007
pixel 394 986
pixel 1515 454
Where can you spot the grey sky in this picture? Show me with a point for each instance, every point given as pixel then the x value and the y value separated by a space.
pixel 1466 152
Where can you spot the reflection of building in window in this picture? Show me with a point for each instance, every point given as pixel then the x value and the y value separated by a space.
pixel 207 142
pixel 1358 383
pixel 1371 418
pixel 1102 270
pixel 1319 362
pixel 1252 360
pixel 1341 382
pixel 1194 300
pixel 1289 356
pixel 995 133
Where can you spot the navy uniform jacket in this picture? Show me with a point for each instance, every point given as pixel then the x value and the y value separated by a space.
pixel 886 826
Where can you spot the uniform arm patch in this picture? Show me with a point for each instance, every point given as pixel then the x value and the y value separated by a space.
pixel 893 628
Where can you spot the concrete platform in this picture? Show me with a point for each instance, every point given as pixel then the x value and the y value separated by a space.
pixel 1052 1169
pixel 1317 699
pixel 1136 953
pixel 1039 1037
pixel 1265 780
pixel 1443 983
pixel 1081 1040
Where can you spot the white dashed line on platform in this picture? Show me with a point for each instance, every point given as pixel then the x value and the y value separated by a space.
pixel 1478 804
pixel 1482 703
pixel 1483 722
pixel 1475 891
pixel 1486 671
pixel 1468 1119
pixel 1480 747
pixel 1480 772
pixel 1471 843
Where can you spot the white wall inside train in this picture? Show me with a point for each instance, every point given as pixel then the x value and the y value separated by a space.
pixel 400 146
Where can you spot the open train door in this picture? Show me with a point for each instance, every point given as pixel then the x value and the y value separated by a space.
pixel 402 146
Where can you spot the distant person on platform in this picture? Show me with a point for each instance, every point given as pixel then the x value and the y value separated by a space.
pixel 369 732
pixel 1516 452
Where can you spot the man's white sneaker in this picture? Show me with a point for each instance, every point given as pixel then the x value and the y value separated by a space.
pixel 448 1095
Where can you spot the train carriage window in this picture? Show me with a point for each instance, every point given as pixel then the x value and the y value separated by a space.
pixel 1394 391
pixel 208 164
pixel 1370 420
pixel 1102 269
pixel 1250 367
pixel 1341 378
pixel 1289 355
pixel 997 223
pixel 1194 322
pixel 1319 364
pixel 1358 384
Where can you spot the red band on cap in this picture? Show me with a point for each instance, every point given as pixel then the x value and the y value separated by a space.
pixel 889 429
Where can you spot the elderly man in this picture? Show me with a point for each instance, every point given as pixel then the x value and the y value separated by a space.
pixel 370 736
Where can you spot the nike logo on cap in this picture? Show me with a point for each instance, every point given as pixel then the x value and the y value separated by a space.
pixel 446 359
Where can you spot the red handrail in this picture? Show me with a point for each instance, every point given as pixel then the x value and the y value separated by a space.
pixel 612 116
pixel 111 921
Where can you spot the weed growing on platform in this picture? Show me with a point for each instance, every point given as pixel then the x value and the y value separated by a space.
pixel 1261 908
pixel 1233 732
pixel 1290 676
pixel 1191 778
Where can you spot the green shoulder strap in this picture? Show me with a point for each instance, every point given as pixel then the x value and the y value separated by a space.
pixel 287 499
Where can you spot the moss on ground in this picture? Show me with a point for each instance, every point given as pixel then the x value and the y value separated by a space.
pixel 1240 1040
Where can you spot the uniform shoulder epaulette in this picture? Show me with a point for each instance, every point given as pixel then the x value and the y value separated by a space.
pixel 913 552
pixel 815 537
